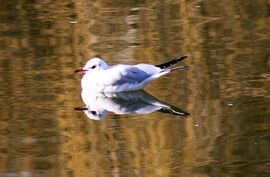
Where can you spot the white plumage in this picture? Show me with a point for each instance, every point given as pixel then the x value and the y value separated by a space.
pixel 100 77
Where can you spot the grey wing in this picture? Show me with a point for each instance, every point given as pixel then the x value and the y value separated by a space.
pixel 149 69
pixel 122 74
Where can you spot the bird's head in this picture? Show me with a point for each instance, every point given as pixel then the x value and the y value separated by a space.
pixel 93 112
pixel 94 64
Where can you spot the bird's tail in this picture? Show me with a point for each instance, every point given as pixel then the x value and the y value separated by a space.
pixel 170 63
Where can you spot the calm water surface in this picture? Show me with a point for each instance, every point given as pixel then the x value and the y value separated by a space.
pixel 226 89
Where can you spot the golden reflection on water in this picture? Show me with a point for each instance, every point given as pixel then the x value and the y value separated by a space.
pixel 226 90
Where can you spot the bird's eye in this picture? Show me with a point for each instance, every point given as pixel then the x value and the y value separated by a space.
pixel 93 67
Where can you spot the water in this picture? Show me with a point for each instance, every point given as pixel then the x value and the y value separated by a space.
pixel 226 89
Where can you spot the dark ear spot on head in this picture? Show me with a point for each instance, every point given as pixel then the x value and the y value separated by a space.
pixel 93 112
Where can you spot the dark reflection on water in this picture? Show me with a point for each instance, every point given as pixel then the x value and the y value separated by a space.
pixel 226 91
pixel 98 105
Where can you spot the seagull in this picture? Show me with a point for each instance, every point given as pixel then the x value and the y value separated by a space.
pixel 100 77
pixel 99 104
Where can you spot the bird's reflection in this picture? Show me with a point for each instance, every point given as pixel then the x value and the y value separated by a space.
pixel 137 102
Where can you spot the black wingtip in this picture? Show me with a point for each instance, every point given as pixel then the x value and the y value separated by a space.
pixel 183 57
pixel 178 59
pixel 171 62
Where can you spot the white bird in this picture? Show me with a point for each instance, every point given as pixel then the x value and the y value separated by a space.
pixel 100 77
pixel 98 104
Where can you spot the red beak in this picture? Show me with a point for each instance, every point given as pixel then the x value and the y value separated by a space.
pixel 80 70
